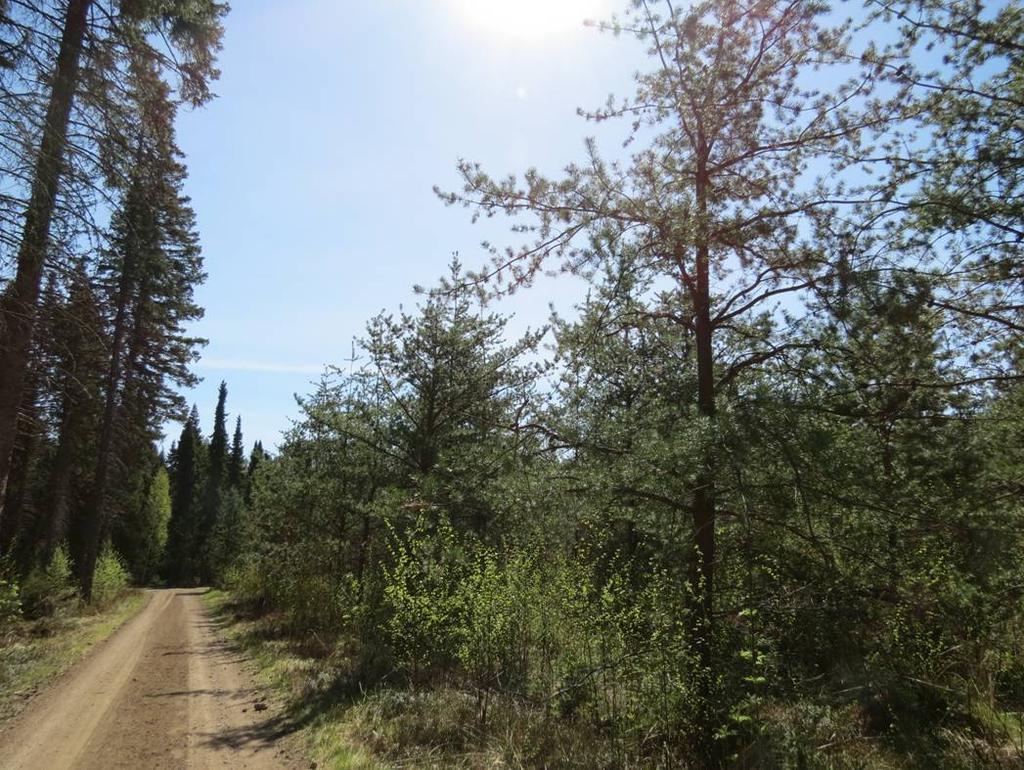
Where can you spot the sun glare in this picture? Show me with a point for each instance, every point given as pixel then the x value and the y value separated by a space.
pixel 530 19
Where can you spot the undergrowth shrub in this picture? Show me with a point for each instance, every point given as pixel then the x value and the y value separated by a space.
pixel 10 604
pixel 543 628
pixel 421 590
pixel 49 591
pixel 111 578
pixel 243 579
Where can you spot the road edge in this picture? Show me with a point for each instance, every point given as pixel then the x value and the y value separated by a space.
pixel 69 655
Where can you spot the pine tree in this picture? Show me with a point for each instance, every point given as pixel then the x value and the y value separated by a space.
pixel 713 203
pixel 952 206
pixel 20 299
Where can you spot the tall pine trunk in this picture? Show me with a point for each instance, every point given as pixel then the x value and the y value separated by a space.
pixel 19 303
pixel 703 573
pixel 61 477
pixel 12 536
pixel 92 523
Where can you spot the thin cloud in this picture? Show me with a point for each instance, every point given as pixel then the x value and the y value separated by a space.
pixel 235 365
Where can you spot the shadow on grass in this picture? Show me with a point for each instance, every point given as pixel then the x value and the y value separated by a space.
pixel 341 689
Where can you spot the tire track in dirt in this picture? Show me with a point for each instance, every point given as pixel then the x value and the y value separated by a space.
pixel 163 692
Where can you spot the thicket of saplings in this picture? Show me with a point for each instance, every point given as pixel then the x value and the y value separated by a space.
pixel 50 591
pixel 449 521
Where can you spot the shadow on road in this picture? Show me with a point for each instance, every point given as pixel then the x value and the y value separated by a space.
pixel 261 735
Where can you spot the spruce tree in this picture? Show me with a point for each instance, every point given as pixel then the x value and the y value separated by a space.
pixel 257 458
pixel 149 274
pixel 217 468
pixel 236 463
pixel 183 530
pixel 78 336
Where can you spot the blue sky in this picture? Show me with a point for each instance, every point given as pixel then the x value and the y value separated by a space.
pixel 312 172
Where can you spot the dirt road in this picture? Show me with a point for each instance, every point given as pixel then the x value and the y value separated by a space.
pixel 163 692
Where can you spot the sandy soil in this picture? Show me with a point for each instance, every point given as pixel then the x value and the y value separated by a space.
pixel 162 692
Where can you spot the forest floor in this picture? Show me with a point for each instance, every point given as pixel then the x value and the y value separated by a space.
pixel 165 691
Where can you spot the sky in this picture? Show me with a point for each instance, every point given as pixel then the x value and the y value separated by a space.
pixel 312 173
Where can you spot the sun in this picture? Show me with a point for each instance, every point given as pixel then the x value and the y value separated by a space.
pixel 530 19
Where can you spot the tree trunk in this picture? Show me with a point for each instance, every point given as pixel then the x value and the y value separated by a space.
pixel 13 537
pixel 20 301
pixel 92 523
pixel 60 481
pixel 703 573
pixel 704 494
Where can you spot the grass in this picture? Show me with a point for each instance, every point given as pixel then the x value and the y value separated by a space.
pixel 299 675
pixel 36 652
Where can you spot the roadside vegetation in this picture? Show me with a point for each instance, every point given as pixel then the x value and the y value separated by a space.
pixel 45 628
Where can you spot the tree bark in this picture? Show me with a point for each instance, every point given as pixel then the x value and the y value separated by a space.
pixel 12 537
pixel 703 573
pixel 92 523
pixel 704 494
pixel 19 304
pixel 60 481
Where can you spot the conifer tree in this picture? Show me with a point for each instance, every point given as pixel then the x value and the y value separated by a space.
pixel 20 299
pixel 236 463
pixel 257 458
pixel 951 193
pixel 217 469
pixel 101 44
pixel 183 532
pixel 80 360
pixel 149 273
pixel 712 202
pixel 442 396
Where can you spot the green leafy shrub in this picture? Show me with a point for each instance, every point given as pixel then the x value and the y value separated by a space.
pixel 497 634
pixel 244 580
pixel 111 578
pixel 10 605
pixel 421 589
pixel 47 592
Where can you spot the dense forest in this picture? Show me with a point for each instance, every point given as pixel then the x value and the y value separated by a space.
pixel 755 502
pixel 100 257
